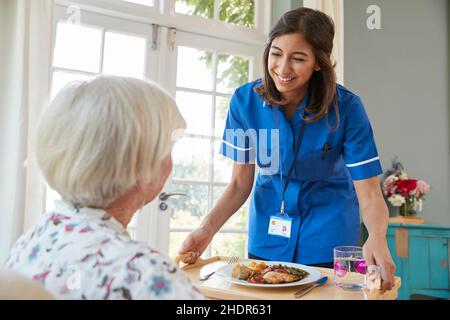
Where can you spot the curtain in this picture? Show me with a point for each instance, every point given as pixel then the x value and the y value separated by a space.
pixel 335 9
pixel 25 66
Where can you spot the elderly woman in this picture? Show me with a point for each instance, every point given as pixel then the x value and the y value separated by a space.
pixel 105 146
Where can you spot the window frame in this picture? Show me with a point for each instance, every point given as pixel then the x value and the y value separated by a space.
pixel 164 14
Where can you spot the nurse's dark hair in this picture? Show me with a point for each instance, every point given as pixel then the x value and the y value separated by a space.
pixel 318 30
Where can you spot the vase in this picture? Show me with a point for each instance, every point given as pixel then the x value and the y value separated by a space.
pixel 408 209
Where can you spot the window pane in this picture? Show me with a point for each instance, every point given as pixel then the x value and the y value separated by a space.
pixel 239 12
pixel 191 159
pixel 229 244
pixel 194 69
pixel 222 105
pixel 222 165
pixel 201 8
pixel 232 72
pixel 60 79
pixel 189 211
pixel 175 241
pixel 124 55
pixel 148 3
pixel 237 220
pixel 77 47
pixel 196 110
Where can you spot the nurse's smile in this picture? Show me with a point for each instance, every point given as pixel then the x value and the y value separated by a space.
pixel 285 80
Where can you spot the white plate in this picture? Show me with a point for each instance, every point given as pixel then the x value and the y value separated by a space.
pixel 314 275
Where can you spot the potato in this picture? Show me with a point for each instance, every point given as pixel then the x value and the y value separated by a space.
pixel 240 272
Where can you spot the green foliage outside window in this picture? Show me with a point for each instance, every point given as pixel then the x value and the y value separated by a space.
pixel 239 12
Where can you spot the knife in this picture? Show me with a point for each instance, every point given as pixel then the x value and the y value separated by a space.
pixel 304 291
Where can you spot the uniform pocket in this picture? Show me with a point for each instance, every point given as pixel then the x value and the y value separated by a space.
pixel 317 164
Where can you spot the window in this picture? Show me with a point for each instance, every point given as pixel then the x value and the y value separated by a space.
pixel 207 73
pixel 200 70
pixel 100 45
pixel 82 52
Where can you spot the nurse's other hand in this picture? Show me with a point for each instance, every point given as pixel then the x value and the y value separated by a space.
pixel 196 242
pixel 376 252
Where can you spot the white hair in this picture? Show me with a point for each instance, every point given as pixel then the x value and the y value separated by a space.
pixel 98 137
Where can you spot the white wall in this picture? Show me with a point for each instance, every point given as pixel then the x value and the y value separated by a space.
pixel 402 74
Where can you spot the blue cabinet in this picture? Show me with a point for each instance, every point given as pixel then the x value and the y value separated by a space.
pixel 421 254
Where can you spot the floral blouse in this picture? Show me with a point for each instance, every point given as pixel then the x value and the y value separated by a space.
pixel 87 254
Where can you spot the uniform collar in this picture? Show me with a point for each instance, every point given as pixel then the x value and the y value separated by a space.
pixel 265 105
pixel 303 103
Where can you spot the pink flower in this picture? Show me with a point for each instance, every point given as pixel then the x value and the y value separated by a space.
pixel 389 187
pixel 422 188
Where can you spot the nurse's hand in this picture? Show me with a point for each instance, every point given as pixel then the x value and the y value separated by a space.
pixel 196 242
pixel 376 251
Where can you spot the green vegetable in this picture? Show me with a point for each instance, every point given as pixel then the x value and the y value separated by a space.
pixel 295 271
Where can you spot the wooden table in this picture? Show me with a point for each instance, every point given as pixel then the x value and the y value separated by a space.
pixel 216 288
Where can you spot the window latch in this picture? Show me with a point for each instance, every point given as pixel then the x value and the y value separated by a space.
pixel 172 38
pixel 155 29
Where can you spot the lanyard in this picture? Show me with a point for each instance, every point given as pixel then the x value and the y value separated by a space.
pixel 297 146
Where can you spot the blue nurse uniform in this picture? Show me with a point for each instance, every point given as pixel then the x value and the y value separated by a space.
pixel 320 197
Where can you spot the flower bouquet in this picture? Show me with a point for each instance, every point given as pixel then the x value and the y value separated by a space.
pixel 404 192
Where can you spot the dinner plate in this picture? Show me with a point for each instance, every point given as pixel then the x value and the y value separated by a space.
pixel 314 275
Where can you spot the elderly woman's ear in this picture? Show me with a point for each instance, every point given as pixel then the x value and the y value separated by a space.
pixel 148 190
pixel 124 206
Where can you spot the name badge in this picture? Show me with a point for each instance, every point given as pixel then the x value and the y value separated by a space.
pixel 280 226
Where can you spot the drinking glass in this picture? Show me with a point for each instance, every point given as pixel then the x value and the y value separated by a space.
pixel 349 267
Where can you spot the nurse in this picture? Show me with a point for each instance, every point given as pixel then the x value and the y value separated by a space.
pixel 315 152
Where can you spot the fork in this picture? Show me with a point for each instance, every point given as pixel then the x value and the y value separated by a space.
pixel 233 260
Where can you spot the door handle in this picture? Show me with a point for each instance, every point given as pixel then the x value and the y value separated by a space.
pixel 166 195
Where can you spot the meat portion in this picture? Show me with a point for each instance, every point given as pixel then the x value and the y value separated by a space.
pixel 273 277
